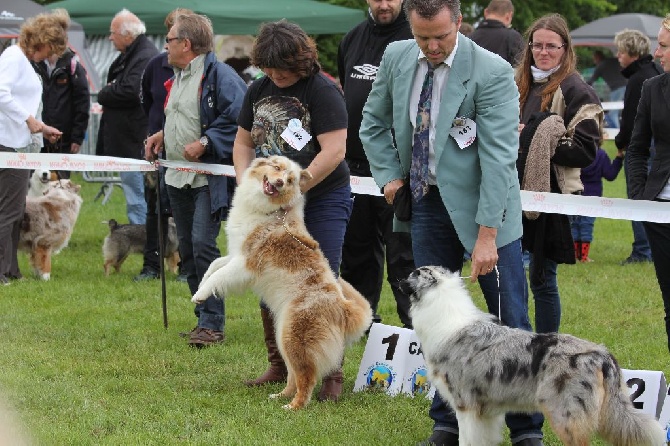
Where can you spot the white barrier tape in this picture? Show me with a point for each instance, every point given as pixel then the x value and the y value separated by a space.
pixel 616 208
pixel 614 105
pixel 59 161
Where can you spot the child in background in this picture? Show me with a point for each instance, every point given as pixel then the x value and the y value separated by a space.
pixel 582 226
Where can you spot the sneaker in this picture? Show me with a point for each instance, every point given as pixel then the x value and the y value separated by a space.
pixel 204 337
pixel 187 334
pixel 145 275
pixel 4 280
pixel 630 260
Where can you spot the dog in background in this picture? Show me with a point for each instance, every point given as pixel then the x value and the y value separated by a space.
pixel 48 224
pixel 270 251
pixel 484 369
pixel 124 240
pixel 39 182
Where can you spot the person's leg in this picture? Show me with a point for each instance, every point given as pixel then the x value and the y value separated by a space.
pixel 326 219
pixel 640 249
pixel 363 252
pixel 506 296
pixel 205 250
pixel 615 96
pixel 547 298
pixel 133 189
pixel 399 258
pixel 435 242
pixel 150 265
pixel 659 240
pixel 13 191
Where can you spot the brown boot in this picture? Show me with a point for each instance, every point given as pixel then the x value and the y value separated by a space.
pixel 277 372
pixel 331 386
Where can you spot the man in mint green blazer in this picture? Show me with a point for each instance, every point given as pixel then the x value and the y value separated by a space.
pixel 472 200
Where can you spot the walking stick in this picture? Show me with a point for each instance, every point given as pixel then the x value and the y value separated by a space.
pixel 161 246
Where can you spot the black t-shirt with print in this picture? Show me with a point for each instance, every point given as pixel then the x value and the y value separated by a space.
pixel 315 101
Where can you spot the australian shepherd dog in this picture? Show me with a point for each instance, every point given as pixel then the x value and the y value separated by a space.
pixel 270 251
pixel 48 224
pixel 484 369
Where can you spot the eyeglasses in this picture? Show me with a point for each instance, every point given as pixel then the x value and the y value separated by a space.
pixel 549 47
pixel 170 39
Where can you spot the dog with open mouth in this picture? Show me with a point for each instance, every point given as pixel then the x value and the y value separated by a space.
pixel 485 369
pixel 270 251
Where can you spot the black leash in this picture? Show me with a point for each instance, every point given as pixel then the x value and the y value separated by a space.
pixel 161 246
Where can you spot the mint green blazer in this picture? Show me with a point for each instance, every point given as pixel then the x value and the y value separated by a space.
pixel 479 184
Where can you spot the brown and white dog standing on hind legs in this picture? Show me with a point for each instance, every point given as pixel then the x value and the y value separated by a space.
pixel 485 369
pixel 270 251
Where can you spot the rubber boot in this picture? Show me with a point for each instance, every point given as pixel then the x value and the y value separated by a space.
pixel 277 372
pixel 585 252
pixel 331 386
pixel 578 251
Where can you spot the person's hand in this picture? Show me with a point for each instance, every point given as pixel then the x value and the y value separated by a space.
pixel 74 147
pixel 34 125
pixel 51 134
pixel 193 151
pixel 153 146
pixel 485 254
pixel 391 188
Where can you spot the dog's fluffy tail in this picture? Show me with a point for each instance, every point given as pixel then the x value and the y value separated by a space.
pixel 620 423
pixel 357 313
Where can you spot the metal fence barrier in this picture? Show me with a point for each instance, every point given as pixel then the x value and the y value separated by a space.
pixel 108 179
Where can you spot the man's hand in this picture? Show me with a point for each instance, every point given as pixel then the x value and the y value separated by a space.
pixel 153 146
pixel 51 133
pixel 34 125
pixel 74 147
pixel 193 151
pixel 485 253
pixel 391 188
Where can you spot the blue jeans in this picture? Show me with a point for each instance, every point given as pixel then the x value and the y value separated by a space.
pixel 582 228
pixel 197 232
pixel 326 218
pixel 547 299
pixel 616 95
pixel 133 189
pixel 435 242
pixel 640 248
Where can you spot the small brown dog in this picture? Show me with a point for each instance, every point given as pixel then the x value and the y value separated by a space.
pixel 126 239
pixel 48 224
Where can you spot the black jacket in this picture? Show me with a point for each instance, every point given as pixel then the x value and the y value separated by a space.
pixel 123 126
pixel 359 55
pixel 636 73
pixel 651 122
pixel 494 36
pixel 65 99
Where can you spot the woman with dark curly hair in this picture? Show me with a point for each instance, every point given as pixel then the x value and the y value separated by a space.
pixel 297 112
pixel 20 99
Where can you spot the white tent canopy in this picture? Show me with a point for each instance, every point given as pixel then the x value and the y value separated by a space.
pixel 601 32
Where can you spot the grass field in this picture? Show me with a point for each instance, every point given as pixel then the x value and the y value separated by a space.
pixel 85 360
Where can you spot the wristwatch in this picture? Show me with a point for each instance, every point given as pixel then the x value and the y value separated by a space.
pixel 204 141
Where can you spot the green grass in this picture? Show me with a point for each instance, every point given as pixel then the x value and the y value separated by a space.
pixel 85 359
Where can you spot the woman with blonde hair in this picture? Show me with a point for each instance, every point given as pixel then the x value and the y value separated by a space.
pixel 556 100
pixel 20 98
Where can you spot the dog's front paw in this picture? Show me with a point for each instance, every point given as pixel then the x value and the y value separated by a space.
pixel 199 297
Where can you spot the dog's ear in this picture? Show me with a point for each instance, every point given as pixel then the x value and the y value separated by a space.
pixel 305 176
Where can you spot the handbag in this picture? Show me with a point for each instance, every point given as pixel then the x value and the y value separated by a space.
pixel 402 202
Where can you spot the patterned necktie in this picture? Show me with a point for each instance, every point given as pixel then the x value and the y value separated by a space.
pixel 418 173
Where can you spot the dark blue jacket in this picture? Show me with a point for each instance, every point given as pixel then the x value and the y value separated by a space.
pixel 221 94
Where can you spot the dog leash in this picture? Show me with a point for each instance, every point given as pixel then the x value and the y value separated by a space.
pixel 282 218
pixel 495 268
